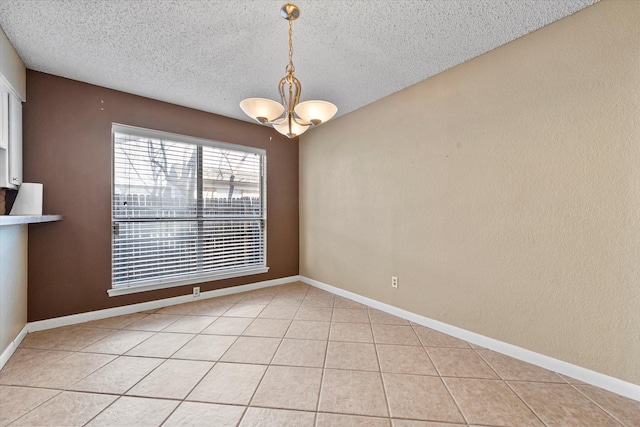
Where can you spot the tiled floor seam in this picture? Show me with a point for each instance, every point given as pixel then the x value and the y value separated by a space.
pixel 171 413
pixel 132 386
pixel 389 418
pixel 504 381
pixel 283 335
pixel 90 373
pixel 522 400
pixel 324 366
pixel 135 345
pixel 103 409
pixel 36 407
pixel 602 407
pixel 267 366
pixel 123 394
pixel 525 402
pixel 453 398
pixel 475 351
pixel 384 385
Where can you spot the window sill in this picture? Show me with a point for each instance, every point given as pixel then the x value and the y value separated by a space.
pixel 143 287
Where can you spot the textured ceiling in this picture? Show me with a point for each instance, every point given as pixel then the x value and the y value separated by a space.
pixel 210 55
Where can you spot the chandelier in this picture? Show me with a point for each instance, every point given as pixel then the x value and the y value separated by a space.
pixel 298 116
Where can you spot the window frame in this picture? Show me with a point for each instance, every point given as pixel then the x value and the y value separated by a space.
pixel 163 283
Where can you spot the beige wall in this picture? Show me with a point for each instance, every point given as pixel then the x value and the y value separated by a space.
pixel 13 282
pixel 504 193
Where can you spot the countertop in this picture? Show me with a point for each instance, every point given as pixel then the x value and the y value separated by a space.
pixel 27 219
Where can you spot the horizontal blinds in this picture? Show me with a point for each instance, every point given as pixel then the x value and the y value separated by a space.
pixel 182 209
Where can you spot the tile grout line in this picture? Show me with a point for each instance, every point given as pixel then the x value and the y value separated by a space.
pixel 384 385
pixel 596 403
pixel 102 410
pixel 455 402
pixel 458 406
pixel 118 356
pixel 124 394
pixel 499 377
pixel 37 406
pixel 528 406
pixel 215 363
pixel 324 363
pixel 564 382
pixel 504 381
pixel 266 369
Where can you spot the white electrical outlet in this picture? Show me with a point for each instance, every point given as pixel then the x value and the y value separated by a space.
pixel 394 282
pixel 196 291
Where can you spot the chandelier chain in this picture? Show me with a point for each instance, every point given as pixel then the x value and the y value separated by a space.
pixel 290 68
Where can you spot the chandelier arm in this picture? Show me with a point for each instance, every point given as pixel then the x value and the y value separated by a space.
pixel 292 102
pixel 274 121
pixel 297 92
pixel 290 90
pixel 300 121
pixel 283 82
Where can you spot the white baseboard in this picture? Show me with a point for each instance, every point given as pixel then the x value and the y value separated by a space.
pixel 150 305
pixel 597 379
pixel 13 345
pixel 73 319
pixel 588 376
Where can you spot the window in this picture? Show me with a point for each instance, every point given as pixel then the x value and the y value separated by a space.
pixel 184 210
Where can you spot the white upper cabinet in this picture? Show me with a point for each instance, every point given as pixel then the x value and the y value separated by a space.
pixel 12 69
pixel 12 94
pixel 10 139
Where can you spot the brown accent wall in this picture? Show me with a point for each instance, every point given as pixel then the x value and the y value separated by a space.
pixel 67 147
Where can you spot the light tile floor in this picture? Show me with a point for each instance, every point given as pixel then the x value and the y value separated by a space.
pixel 290 355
